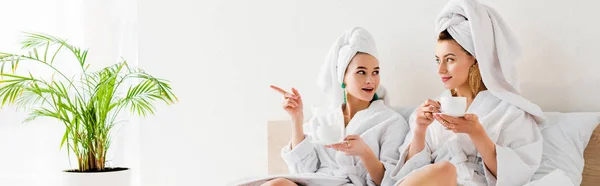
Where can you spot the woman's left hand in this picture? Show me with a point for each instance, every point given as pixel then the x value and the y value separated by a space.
pixel 353 145
pixel 469 124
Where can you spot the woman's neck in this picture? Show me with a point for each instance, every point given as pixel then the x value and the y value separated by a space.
pixel 465 91
pixel 352 106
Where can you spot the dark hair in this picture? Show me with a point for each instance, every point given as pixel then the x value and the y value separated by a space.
pixel 445 36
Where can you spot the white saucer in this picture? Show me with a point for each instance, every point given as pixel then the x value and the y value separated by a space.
pixel 455 115
pixel 319 142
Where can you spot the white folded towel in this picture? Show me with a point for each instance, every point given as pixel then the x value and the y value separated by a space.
pixel 340 54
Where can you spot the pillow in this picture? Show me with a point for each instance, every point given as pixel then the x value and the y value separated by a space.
pixel 405 112
pixel 565 138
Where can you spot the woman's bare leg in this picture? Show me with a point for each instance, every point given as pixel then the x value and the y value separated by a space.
pixel 438 174
pixel 279 182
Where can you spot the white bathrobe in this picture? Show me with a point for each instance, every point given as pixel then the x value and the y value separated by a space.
pixel 510 120
pixel 380 127
pixel 481 31
pixel 514 131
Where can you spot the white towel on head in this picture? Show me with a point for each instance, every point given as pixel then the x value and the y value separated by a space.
pixel 341 53
pixel 480 30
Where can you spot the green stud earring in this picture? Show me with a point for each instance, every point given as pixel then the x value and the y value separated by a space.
pixel 344 87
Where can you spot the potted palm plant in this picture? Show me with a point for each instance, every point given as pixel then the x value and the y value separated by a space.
pixel 88 103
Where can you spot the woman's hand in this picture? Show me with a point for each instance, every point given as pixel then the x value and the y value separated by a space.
pixel 353 145
pixel 292 103
pixel 425 113
pixel 469 124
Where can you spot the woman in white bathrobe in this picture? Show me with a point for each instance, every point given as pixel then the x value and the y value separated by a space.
pixel 350 79
pixel 498 141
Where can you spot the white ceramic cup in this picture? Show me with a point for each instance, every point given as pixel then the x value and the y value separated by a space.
pixel 453 106
pixel 328 133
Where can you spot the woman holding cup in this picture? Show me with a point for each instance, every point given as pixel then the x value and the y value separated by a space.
pixel 355 140
pixel 480 131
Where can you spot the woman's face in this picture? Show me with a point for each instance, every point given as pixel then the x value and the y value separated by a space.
pixel 453 63
pixel 362 77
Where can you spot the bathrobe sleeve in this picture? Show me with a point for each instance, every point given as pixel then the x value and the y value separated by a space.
pixel 303 157
pixel 391 139
pixel 403 167
pixel 518 151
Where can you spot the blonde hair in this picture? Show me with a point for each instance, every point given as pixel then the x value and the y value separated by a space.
pixel 475 81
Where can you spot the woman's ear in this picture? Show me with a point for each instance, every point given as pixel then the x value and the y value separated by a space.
pixel 474 60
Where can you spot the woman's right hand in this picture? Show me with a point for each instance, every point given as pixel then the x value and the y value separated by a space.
pixel 424 119
pixel 425 113
pixel 292 103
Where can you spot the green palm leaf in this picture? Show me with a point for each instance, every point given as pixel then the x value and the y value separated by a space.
pixel 87 105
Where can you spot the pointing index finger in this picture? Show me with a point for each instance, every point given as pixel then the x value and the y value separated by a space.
pixel 283 92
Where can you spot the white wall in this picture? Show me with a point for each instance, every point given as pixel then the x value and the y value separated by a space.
pixel 222 55
pixel 30 153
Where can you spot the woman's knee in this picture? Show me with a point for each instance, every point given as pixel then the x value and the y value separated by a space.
pixel 446 171
pixel 446 167
pixel 443 172
pixel 279 182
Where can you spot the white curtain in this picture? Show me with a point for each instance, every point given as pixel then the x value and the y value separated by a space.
pixel 30 153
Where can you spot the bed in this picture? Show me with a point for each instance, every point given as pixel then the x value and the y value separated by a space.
pixel 279 136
